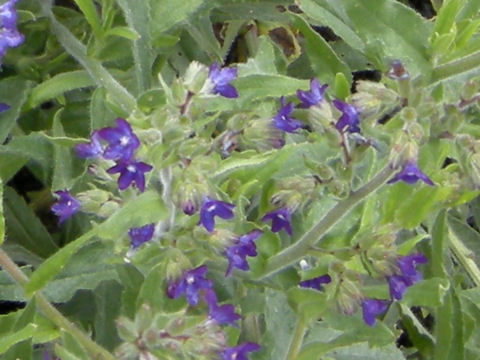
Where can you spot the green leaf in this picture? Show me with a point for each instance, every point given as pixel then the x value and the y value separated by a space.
pixel 88 9
pixel 323 59
pixel 429 292
pixel 137 18
pixel 420 337
pixel 132 280
pixel 146 208
pixel 468 236
pixel 122 31
pixel 77 50
pixel 58 85
pixel 439 245
pixel 279 322
pixel 86 269
pixel 107 305
pixel 24 227
pixel 63 169
pixel 14 92
pixel 171 13
pixel 100 115
pixel 446 16
pixel 2 218
pixel 260 86
pixel 8 341
pixel 323 16
pixel 341 87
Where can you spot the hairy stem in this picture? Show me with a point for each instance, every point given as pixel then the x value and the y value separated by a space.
pixel 95 350
pixel 297 250
pixel 166 180
pixel 297 339
pixel 456 67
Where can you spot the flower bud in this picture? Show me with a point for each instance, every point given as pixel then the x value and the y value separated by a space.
pixel 179 93
pixel 126 329
pixel 93 200
pixel 338 188
pixel 262 135
pixel 195 77
pixel 321 116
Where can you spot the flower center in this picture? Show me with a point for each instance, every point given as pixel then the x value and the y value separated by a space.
pixel 190 279
pixel 211 207
pixel 131 168
pixel 69 203
pixel 124 140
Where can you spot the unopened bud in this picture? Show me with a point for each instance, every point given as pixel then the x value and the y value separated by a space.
pixel 195 77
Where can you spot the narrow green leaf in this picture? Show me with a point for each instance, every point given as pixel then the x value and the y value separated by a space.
pixel 58 85
pixel 75 48
pixel 428 292
pixel 341 87
pixel 137 18
pixel 443 329
pixel 8 341
pixel 420 337
pixel 122 31
pixel 439 244
pixel 132 280
pixel 171 13
pixel 24 227
pixel 63 171
pixel 100 114
pixel 323 59
pixel 446 16
pixel 14 92
pixel 55 263
pixel 88 9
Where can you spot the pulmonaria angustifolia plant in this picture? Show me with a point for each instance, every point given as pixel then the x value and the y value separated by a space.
pixel 239 180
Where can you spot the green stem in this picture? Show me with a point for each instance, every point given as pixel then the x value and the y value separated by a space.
pixel 297 339
pixel 79 52
pixel 297 250
pixel 95 350
pixel 456 67
pixel 464 257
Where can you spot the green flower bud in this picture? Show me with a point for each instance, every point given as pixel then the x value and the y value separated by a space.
pixel 195 77
pixel 126 329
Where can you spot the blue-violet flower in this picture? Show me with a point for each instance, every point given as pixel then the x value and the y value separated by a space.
pixel 239 352
pixel 280 220
pixel 223 314
pixel 410 174
pixel 122 142
pixel 66 205
pixel 9 35
pixel 372 308
pixel 131 172
pixel 349 119
pixel 190 284
pixel 221 79
pixel 315 283
pixel 408 275
pixel 282 119
pixel 4 107
pixel 140 235
pixel 244 246
pixel 312 97
pixel 91 149
pixel 211 208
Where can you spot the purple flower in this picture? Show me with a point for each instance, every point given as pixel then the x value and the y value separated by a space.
pixel 239 352
pixel 224 314
pixel 315 283
pixel 190 284
pixel 312 97
pixel 4 107
pixel 280 220
pixel 9 35
pixel 244 246
pixel 410 174
pixel 211 208
pixel 140 235
pixel 282 119
pixel 408 275
pixel 349 119
pixel 372 308
pixel 188 207
pixel 131 172
pixel 221 78
pixel 91 149
pixel 122 142
pixel 66 206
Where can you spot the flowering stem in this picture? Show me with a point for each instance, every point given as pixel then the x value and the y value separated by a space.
pixel 464 257
pixel 456 67
pixel 297 340
pixel 95 350
pixel 295 251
